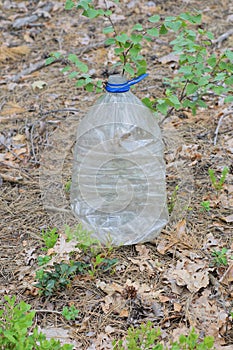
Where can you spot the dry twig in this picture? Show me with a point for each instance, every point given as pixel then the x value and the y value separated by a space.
pixel 218 126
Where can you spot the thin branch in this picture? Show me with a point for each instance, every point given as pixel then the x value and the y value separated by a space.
pixel 48 311
pixel 222 37
pixel 12 152
pixel 109 18
pixel 59 210
pixel 39 65
pixel 218 126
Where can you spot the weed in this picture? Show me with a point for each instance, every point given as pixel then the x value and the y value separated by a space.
pixel 16 321
pixel 205 205
pixel 218 185
pixel 147 337
pixel 220 257
pixel 173 199
pixel 70 313
pixel 83 237
pixel 59 277
pixel 43 260
pixel 50 238
pixel 67 186
pixel 101 263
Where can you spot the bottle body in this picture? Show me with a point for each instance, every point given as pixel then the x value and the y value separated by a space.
pixel 118 183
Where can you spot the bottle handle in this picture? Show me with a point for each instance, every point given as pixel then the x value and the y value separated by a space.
pixel 116 88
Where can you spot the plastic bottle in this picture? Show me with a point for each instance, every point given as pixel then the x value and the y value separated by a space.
pixel 118 187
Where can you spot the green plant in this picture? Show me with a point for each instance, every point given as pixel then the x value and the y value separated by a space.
pixel 83 237
pixel 67 186
pixel 59 277
pixel 199 72
pixel 191 342
pixel 172 200
pixel 147 337
pixel 144 337
pixel 16 322
pixel 50 238
pixel 70 312
pixel 205 205
pixel 220 257
pixel 218 185
pixel 101 263
pixel 43 260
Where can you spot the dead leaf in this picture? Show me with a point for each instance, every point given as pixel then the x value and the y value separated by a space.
pixel 208 316
pixel 210 241
pixel 109 288
pixel 13 53
pixel 109 330
pixel 11 178
pixel 39 84
pixel 163 299
pixel 19 138
pixel 228 218
pixel 189 274
pixel 62 249
pixel 171 57
pixel 177 307
pixel 124 313
pixel 228 276
pixel 12 108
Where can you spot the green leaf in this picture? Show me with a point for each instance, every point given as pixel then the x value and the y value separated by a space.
pixel 92 13
pixel 212 60
pixel 107 30
pixel 110 41
pixel 81 66
pixel 89 87
pixel 136 38
pixel 138 27
pixel 229 54
pixel 80 82
pixel 50 60
pixel 175 26
pixel 210 35
pixel 129 69
pixel 163 30
pixel 69 4
pixel 195 19
pixel 154 19
pixel 134 52
pixel 73 75
pixel 107 13
pixel 148 102
pixel 122 38
pixel 99 87
pixel 229 81
pixel 174 101
pixel 228 99
pixel 119 50
pixel 66 69
pixel 153 32
pixel 84 4
pixel 162 106
pixel 191 88
pixel 220 76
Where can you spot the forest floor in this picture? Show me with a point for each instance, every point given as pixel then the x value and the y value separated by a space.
pixel 175 281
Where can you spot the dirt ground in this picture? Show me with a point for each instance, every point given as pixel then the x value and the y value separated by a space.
pixel 177 285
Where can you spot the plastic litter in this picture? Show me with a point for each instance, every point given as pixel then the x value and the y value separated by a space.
pixel 118 188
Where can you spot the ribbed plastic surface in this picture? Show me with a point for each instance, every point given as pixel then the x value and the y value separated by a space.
pixel 118 183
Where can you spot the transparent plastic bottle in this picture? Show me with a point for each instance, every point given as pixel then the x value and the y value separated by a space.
pixel 118 187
